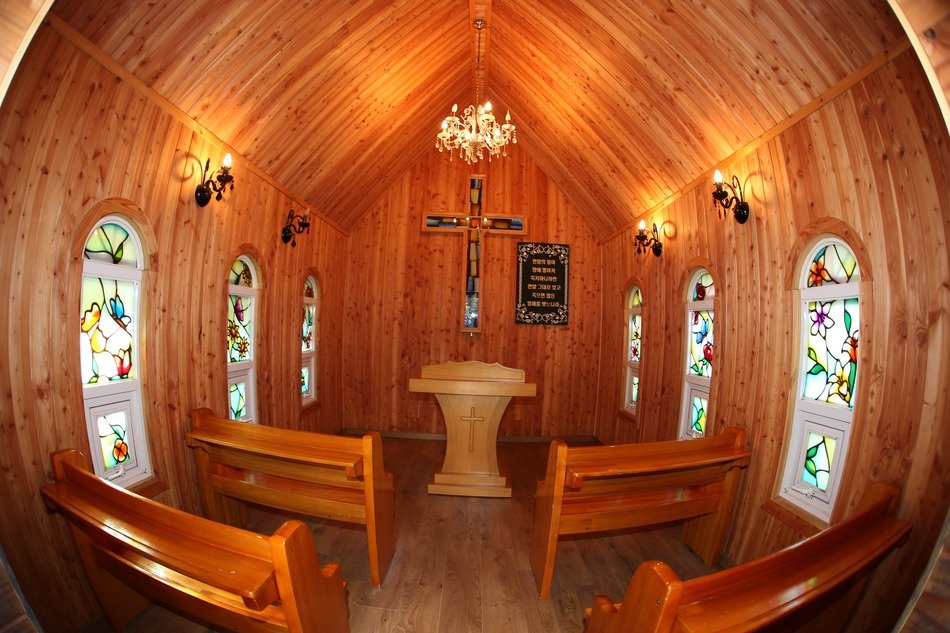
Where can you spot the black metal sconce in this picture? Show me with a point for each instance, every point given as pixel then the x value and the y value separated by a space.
pixel 651 242
pixel 218 184
pixel 296 224
pixel 722 198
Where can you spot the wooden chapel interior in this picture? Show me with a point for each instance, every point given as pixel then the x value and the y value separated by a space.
pixel 833 114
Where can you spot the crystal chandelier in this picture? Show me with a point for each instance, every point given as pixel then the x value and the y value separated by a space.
pixel 476 131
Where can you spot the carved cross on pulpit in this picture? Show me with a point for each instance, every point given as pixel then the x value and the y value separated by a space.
pixel 471 418
pixel 473 225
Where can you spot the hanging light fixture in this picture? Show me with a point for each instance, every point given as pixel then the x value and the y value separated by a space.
pixel 476 131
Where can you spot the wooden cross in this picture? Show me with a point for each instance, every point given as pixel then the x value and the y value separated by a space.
pixel 473 224
pixel 471 418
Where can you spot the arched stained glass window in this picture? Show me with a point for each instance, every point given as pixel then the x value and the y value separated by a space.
pixel 109 352
pixel 701 292
pixel 308 340
pixel 828 372
pixel 633 337
pixel 243 281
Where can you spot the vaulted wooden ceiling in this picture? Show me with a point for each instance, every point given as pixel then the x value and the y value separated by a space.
pixel 622 102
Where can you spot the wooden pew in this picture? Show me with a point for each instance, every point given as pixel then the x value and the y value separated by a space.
pixel 135 550
pixel 315 474
pixel 811 586
pixel 599 488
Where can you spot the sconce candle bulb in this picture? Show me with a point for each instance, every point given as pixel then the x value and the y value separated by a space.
pixel 218 184
pixel 722 198
pixel 648 242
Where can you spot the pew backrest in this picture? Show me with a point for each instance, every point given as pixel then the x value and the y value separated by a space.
pixel 812 585
pixel 135 550
pixel 316 474
pixel 598 488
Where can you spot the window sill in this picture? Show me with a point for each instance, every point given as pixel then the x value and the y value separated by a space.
pixel 794 517
pixel 310 404
pixel 627 415
pixel 150 488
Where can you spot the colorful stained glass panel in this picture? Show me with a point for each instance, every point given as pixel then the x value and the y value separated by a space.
pixel 701 345
pixel 113 438
pixel 305 380
pixel 241 274
pixel 697 415
pixel 832 264
pixel 109 244
pixel 106 341
pixel 633 353
pixel 703 289
pixel 237 403
pixel 819 457
pixel 634 299
pixel 309 289
pixel 240 322
pixel 831 362
pixel 308 344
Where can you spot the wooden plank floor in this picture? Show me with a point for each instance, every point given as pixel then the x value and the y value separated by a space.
pixel 461 564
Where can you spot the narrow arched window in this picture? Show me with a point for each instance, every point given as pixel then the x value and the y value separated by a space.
pixel 634 335
pixel 827 374
pixel 309 338
pixel 701 292
pixel 110 321
pixel 243 282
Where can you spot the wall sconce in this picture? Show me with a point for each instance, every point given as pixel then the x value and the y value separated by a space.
pixel 296 224
pixel 645 241
pixel 224 178
pixel 721 197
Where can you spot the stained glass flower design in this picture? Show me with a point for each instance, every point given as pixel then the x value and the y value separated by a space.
pixel 113 438
pixel 241 274
pixel 634 330
pixel 818 460
pixel 305 380
pixel 701 344
pixel 240 311
pixel 697 418
pixel 237 403
pixel 831 356
pixel 106 340
pixel 306 336
pixel 704 288
pixel 832 264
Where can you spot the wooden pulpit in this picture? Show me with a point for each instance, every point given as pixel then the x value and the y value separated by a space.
pixel 473 397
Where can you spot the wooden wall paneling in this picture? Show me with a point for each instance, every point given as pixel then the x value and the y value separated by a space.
pixel 875 160
pixel 397 269
pixel 73 135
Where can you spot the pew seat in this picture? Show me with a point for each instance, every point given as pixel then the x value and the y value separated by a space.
pixel 135 551
pixel 315 474
pixel 599 488
pixel 810 586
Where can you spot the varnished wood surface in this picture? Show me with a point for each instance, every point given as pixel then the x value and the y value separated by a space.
pixel 622 103
pixel 853 169
pixel 461 563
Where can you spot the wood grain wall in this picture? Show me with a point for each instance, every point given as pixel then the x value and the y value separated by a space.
pixel 873 166
pixel 78 142
pixel 404 297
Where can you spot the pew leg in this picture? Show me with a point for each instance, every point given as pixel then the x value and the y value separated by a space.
pixel 381 532
pixel 705 534
pixel 119 603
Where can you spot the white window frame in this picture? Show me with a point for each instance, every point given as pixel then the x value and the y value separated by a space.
pixel 694 385
pixel 631 367
pixel 308 358
pixel 809 415
pixel 122 395
pixel 245 370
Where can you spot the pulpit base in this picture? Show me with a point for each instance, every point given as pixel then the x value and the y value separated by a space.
pixel 470 485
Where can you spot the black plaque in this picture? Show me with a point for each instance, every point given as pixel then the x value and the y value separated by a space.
pixel 542 283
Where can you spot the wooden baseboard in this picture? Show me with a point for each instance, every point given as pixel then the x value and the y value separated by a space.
pixel 573 439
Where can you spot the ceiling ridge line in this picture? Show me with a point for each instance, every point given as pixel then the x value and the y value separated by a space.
pixel 876 63
pixel 108 63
